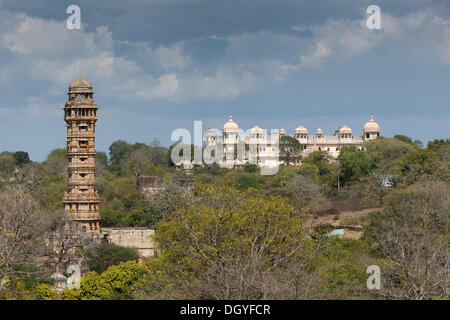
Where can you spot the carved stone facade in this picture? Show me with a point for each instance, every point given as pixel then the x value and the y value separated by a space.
pixel 81 201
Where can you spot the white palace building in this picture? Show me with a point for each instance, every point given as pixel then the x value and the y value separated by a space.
pixel 232 147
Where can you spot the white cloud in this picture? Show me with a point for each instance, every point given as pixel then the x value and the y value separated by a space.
pixel 414 35
pixel 47 51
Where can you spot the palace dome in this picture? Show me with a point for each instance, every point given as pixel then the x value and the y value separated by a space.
pixel 371 126
pixel 319 132
pixel 231 126
pixel 256 129
pixel 301 129
pixel 345 130
pixel 282 132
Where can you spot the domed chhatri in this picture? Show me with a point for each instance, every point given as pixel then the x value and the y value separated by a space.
pixel 371 126
pixel 319 133
pixel 301 129
pixel 371 129
pixel 257 129
pixel 231 126
pixel 345 129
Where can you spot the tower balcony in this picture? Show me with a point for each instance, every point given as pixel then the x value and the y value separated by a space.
pixel 84 198
pixel 75 118
pixel 88 134
pixel 84 215
pixel 81 166
pixel 81 182
pixel 80 151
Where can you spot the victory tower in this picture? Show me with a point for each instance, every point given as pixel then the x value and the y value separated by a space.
pixel 81 201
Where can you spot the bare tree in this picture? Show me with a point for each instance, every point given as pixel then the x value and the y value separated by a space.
pixel 412 234
pixel 21 230
pixel 139 162
pixel 306 193
pixel 63 238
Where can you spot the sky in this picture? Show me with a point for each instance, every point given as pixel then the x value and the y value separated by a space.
pixel 158 65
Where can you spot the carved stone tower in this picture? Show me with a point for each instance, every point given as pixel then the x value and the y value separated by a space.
pixel 81 201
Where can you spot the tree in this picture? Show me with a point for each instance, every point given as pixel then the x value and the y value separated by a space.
pixel 437 144
pixel 7 163
pixel 138 163
pixel 226 245
pixel 56 162
pixel 119 150
pixel 101 257
pixel 101 163
pixel 117 282
pixel 21 157
pixel 305 192
pixel 165 202
pixel 251 168
pixel 63 239
pixel 290 150
pixel 354 164
pixel 158 154
pixel 411 233
pixel 403 138
pixel 385 153
pixel 328 171
pixel 417 165
pixel 321 159
pixel 20 228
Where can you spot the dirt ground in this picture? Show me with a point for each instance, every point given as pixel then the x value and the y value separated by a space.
pixel 352 232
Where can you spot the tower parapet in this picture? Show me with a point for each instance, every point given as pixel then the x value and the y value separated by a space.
pixel 81 201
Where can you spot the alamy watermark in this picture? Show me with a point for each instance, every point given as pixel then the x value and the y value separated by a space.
pixel 374 20
pixel 374 280
pixel 73 281
pixel 73 22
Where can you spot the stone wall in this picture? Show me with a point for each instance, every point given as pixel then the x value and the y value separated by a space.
pixel 138 238
pixel 149 184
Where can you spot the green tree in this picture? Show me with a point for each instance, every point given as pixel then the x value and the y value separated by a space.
pixel 119 150
pixel 56 162
pixel 437 144
pixel 105 255
pixel 7 163
pixel 290 150
pixel 101 163
pixel 251 168
pixel 226 245
pixel 21 158
pixel 417 165
pixel 354 164
pixel 116 283
pixel 385 153
pixel 403 138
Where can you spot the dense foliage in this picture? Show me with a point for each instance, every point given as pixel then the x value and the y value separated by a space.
pixel 239 234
